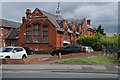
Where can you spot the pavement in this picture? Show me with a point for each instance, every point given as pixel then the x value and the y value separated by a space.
pixel 111 69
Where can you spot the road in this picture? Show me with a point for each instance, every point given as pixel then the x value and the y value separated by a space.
pixel 42 74
pixel 59 71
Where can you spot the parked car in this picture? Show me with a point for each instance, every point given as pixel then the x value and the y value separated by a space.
pixel 88 49
pixel 82 48
pixel 13 52
pixel 28 50
pixel 66 49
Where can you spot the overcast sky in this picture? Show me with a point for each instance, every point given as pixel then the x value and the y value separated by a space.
pixel 104 13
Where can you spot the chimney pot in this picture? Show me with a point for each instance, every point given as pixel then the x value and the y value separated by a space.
pixel 28 13
pixel 88 21
pixel 23 19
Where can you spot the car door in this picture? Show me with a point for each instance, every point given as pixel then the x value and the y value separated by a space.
pixel 66 50
pixel 75 49
pixel 18 53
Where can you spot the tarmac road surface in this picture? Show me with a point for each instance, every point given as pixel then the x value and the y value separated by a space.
pixel 59 71
pixel 40 74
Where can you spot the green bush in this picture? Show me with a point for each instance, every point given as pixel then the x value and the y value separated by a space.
pixel 96 41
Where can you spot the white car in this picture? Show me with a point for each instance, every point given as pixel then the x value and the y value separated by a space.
pixel 88 49
pixel 13 52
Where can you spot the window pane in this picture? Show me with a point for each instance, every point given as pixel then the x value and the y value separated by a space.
pixel 36 38
pixel 45 34
pixel 45 39
pixel 36 33
pixel 28 38
pixel 28 33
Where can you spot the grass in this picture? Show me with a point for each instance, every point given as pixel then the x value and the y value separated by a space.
pixel 89 60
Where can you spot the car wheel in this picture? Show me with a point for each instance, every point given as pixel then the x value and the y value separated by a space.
pixel 52 54
pixel 7 57
pixel 24 56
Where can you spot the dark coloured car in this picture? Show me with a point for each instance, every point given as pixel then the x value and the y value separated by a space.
pixel 66 49
pixel 28 50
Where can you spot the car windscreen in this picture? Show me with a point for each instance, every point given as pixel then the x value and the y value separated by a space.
pixel 7 49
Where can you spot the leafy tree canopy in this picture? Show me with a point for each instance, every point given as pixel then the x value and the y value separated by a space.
pixel 96 41
pixel 100 29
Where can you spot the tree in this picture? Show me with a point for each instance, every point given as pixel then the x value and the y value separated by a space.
pixel 100 30
pixel 93 41
pixel 96 41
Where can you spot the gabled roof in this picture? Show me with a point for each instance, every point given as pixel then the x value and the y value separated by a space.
pixel 53 18
pixel 13 34
pixel 9 24
pixel 60 22
pixel 77 23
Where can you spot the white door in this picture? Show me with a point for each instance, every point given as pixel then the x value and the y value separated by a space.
pixel 17 53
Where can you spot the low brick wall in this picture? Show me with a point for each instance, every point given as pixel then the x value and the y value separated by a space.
pixel 75 55
pixel 25 61
pixel 47 58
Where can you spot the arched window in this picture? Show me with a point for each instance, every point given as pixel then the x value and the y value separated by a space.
pixel 45 34
pixel 28 33
pixel 36 32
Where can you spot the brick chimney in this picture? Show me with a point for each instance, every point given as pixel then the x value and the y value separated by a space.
pixel 23 19
pixel 28 13
pixel 88 21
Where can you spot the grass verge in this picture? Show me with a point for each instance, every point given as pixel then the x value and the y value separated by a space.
pixel 89 60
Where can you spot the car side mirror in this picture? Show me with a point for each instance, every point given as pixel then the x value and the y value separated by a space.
pixel 14 51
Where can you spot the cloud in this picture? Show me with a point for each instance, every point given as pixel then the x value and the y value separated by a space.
pixel 104 13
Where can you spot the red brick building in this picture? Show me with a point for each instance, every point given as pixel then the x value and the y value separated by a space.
pixel 6 28
pixel 86 28
pixel 42 31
